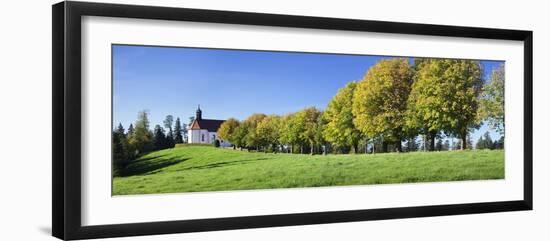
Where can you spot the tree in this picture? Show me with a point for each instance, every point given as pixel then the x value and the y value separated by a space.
pixel 130 131
pixel 469 144
pixel 499 144
pixel 492 101
pixel 485 142
pixel 142 138
pixel 252 139
pixel 439 144
pixel 412 144
pixel 268 130
pixel 480 144
pixel 228 129
pixel 444 97
pixel 119 149
pixel 446 145
pixel 216 143
pixel 168 123
pixel 178 131
pixel 290 131
pixel 338 117
pixel 380 100
pixel 309 121
pixel 159 138
pixel 239 136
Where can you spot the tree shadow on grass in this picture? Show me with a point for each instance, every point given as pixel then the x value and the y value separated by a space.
pixel 149 165
pixel 223 164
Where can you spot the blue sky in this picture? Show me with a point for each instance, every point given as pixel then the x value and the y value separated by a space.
pixel 229 83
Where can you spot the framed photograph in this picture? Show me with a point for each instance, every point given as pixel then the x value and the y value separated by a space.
pixel 170 120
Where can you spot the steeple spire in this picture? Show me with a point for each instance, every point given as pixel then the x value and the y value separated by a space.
pixel 198 115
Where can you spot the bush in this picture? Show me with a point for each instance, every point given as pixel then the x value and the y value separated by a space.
pixel 216 143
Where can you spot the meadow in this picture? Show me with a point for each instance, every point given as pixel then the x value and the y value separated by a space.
pixel 206 168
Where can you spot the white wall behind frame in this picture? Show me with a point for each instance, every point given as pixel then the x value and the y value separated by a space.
pixel 25 93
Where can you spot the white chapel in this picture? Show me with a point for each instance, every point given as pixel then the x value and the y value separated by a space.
pixel 204 131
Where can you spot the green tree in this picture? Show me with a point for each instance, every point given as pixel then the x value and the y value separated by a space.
pixel 159 138
pixel 485 142
pixel 480 144
pixel 168 123
pixel 444 97
pixel 380 100
pixel 338 117
pixel 412 144
pixel 130 131
pixel 492 101
pixel 178 132
pixel 119 144
pixel 439 144
pixel 142 138
pixel 446 145
pixel 228 129
pixel 216 143
pixel 499 144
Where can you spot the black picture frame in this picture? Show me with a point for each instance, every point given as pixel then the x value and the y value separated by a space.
pixel 66 127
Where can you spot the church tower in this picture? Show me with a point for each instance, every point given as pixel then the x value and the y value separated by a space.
pixel 198 116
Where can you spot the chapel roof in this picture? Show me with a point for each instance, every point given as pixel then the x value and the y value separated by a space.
pixel 208 124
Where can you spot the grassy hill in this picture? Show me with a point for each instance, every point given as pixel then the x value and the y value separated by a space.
pixel 205 168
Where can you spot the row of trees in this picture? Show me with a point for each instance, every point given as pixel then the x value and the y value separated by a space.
pixel 394 105
pixel 486 142
pixel 139 139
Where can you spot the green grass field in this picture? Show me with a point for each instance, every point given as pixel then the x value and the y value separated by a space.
pixel 205 168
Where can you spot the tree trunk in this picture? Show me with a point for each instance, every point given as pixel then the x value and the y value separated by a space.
pixel 301 149
pixel 373 145
pixel 432 142
pixel 355 148
pixel 464 138
pixel 398 146
pixel 425 141
pixel 312 149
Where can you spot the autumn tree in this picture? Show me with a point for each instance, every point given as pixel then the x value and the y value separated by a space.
pixel 239 136
pixel 252 138
pixel 380 100
pixel 444 97
pixel 227 130
pixel 492 101
pixel 290 131
pixel 339 128
pixel 269 131
pixel 308 120
pixel 142 138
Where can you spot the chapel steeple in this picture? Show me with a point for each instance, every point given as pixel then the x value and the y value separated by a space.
pixel 198 116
